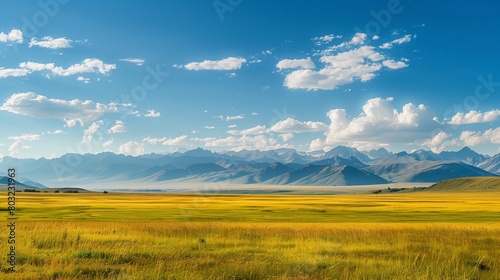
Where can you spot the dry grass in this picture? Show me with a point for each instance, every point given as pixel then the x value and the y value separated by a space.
pixel 152 237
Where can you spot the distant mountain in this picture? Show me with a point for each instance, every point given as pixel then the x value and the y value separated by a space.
pixel 465 155
pixel 28 184
pixel 336 160
pixel 424 171
pixel 346 152
pixel 327 176
pixel 381 153
pixel 491 164
pixel 341 165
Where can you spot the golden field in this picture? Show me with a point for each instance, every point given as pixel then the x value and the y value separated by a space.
pixel 421 235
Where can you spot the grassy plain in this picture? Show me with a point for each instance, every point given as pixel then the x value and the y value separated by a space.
pixel 421 235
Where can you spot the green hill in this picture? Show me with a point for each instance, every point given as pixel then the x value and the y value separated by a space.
pixel 468 184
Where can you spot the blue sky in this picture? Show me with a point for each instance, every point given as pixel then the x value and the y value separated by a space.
pixel 137 77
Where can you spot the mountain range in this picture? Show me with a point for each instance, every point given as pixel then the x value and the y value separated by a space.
pixel 341 166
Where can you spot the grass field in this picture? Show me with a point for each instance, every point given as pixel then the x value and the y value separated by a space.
pixel 421 235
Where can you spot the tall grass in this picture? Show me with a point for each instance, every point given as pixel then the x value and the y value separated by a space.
pixel 410 236
pixel 230 250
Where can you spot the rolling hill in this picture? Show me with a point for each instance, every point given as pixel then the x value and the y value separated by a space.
pixel 467 184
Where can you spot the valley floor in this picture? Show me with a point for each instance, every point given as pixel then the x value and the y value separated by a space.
pixel 421 235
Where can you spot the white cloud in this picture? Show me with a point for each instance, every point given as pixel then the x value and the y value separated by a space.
pixel 473 138
pixel 153 114
pixel 381 122
pixel 71 111
pixel 237 117
pixel 209 127
pixel 475 117
pixel 84 80
pixel 391 64
pixel 294 126
pixel 119 127
pixel 260 129
pixel 12 72
pixel 58 131
pixel 404 39
pixel 25 137
pixel 108 143
pixel 16 147
pixel 296 63
pixel 318 41
pixel 230 63
pixel 15 35
pixel 51 43
pixel 342 68
pixel 89 65
pixel 88 134
pixel 132 148
pixel 375 37
pixel 286 137
pixel 255 114
pixel 232 126
pixel 439 142
pixel 358 39
pixel 137 61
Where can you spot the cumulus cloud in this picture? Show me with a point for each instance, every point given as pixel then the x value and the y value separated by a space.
pixel 230 63
pixel 15 35
pixel 71 111
pixel 286 137
pixel 296 63
pixel 391 64
pixel 153 114
pixel 88 134
pixel 473 138
pixel 440 142
pixel 474 117
pixel 343 68
pixel 291 125
pixel 119 127
pixel 89 65
pixel 132 148
pixel 108 143
pixel 381 122
pixel 136 61
pixel 84 80
pixel 51 43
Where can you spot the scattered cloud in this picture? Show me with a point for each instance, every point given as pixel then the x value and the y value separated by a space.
pixel 15 35
pixel 404 39
pixel 230 63
pixel 119 127
pixel 108 143
pixel 71 111
pixel 51 43
pixel 89 65
pixel 237 117
pixel 474 117
pixel 132 148
pixel 318 41
pixel 391 64
pixel 25 137
pixel 440 142
pixel 136 61
pixel 84 80
pixel 88 134
pixel 286 137
pixel 296 63
pixel 153 114
pixel 209 127
pixel 294 126
pixel 473 138
pixel 260 129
